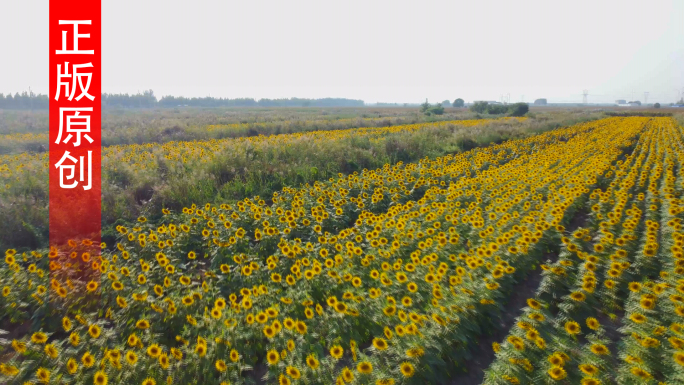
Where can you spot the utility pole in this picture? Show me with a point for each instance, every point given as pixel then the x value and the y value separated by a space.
pixel 646 97
pixel 585 94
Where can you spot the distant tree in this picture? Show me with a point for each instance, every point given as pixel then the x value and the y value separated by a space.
pixel 638 103
pixel 437 109
pixel 446 103
pixel 518 109
pixel 540 102
pixel 459 103
pixel 657 105
pixel 479 107
pixel 496 109
pixel 424 107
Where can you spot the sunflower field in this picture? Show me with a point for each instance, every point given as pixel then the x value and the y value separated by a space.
pixel 383 276
pixel 141 179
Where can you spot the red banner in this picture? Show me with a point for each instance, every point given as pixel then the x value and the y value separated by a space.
pixel 75 122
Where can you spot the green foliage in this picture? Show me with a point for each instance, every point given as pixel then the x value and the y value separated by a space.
pixel 437 109
pixel 517 109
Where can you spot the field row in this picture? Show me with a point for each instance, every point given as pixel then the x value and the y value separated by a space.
pixel 385 276
pixel 166 128
pixel 610 309
pixel 141 179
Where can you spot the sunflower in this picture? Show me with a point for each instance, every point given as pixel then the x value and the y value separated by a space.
pixel 337 352
pixel 131 357
pixel 590 381
pixel 593 323
pixel 577 296
pixel 94 331
pixel 312 362
pixel 149 381
pixel 51 351
pixel 647 303
pixel 406 369
pixel 91 286
pixel 66 324
pixel 269 332
pixel 43 375
pixel 380 343
pixel 364 367
pixel 293 372
pixel 19 346
pixel 100 378
pixel 678 357
pixel 39 338
pixel 340 307
pixel 234 355
pixel 164 361
pixel 384 381
pixel 72 366
pixel 640 373
pixel 556 360
pixel 599 349
pixel 154 350
pixel 301 327
pixel 557 373
pixel 221 366
pixel 589 370
pixel 272 357
pixel 572 328
pixel 88 360
pixel 534 304
pixel 201 350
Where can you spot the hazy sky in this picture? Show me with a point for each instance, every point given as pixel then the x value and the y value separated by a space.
pixel 390 51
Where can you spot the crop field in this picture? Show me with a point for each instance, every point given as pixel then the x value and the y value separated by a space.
pixel 141 179
pixel 400 254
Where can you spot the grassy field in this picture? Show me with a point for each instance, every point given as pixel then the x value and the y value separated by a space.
pixel 544 250
pixel 141 179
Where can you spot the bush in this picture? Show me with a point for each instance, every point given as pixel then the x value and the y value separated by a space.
pixel 518 109
pixel 436 109
pixel 479 107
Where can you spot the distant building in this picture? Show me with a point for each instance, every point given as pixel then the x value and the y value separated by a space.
pixel 620 101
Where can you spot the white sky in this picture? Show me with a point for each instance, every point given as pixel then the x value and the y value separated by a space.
pixel 390 51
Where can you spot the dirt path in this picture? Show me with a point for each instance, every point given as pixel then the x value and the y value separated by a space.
pixel 482 354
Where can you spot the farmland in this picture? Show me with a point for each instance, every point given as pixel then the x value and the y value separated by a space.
pixel 359 254
pixel 142 177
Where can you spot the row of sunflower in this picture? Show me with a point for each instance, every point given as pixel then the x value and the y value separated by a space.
pixel 384 276
pixel 19 141
pixel 616 263
pixel 142 156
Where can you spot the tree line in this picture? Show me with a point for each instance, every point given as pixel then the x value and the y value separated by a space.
pixel 147 99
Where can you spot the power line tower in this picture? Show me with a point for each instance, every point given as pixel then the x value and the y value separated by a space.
pixel 585 94
pixel 646 97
